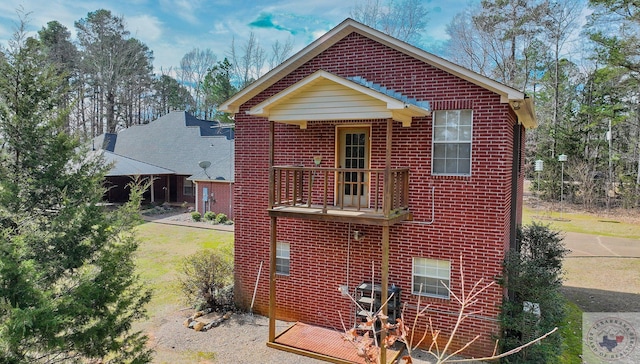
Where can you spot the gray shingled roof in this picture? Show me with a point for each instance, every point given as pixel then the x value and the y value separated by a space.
pixel 178 142
pixel 123 166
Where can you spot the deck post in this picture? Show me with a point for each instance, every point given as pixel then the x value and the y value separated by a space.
pixel 272 280
pixel 385 232
pixel 388 184
pixel 384 286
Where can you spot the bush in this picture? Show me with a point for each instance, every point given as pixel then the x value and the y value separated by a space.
pixel 533 275
pixel 221 218
pixel 196 216
pixel 207 280
pixel 209 215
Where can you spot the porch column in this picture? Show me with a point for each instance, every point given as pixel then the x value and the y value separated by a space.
pixel 272 242
pixel 167 191
pixel 153 195
pixel 385 232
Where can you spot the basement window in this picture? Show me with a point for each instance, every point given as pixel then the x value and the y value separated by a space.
pixel 430 276
pixel 451 153
pixel 282 258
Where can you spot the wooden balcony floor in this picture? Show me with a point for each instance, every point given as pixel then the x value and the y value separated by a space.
pixel 321 343
pixel 365 216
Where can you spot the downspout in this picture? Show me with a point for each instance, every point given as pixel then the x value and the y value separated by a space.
pixel 272 241
pixel 515 172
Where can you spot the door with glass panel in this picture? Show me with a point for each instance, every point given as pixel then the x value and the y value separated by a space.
pixel 353 150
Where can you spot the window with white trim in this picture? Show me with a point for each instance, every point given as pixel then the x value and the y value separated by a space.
pixel 452 130
pixel 282 258
pixel 430 276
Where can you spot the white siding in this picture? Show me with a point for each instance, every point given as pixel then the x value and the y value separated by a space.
pixel 327 100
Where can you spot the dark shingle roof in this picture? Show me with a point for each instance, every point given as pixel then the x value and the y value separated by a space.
pixel 178 141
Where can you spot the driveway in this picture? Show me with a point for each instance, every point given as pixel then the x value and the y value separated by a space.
pixel 602 273
pixel 585 245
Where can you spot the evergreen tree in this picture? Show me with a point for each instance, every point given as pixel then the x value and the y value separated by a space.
pixel 68 288
pixel 218 88
pixel 533 278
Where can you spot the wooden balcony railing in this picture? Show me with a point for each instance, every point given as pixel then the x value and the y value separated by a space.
pixel 340 189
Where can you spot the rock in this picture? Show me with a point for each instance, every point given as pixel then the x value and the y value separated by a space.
pixel 198 326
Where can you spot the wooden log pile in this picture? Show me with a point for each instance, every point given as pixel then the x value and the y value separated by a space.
pixel 202 320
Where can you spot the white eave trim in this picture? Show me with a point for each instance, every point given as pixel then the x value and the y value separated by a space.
pixel 401 111
pixel 507 94
pixel 524 110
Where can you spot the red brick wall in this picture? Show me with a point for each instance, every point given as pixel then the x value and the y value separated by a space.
pixel 220 198
pixel 471 213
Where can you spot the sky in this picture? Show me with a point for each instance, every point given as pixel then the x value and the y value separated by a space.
pixel 171 28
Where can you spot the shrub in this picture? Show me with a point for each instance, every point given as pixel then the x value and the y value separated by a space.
pixel 207 280
pixel 533 277
pixel 209 215
pixel 221 218
pixel 196 216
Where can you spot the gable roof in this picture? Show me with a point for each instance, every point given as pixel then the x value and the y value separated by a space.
pixel 350 98
pixel 178 142
pixel 521 104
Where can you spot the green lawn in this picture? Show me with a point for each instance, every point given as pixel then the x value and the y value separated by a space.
pixel 571 331
pixel 605 225
pixel 162 251
pixel 584 223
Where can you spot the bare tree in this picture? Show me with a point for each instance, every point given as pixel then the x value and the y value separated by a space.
pixel 280 52
pixel 248 61
pixel 402 19
pixel 466 43
pixel 510 29
pixel 193 69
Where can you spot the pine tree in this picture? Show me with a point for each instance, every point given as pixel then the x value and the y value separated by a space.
pixel 68 288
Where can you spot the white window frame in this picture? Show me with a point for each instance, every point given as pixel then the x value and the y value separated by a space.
pixel 452 135
pixel 283 258
pixel 434 270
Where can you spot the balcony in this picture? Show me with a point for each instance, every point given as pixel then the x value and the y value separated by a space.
pixel 362 196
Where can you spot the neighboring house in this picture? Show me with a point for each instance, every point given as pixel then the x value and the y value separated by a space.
pixel 173 150
pixel 363 150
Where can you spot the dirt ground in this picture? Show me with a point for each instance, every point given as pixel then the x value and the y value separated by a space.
pixel 595 284
pixel 605 283
pixel 239 340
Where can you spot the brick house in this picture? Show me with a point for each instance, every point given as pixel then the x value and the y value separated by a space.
pixel 363 150
pixel 170 151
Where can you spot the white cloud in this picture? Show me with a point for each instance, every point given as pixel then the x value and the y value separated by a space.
pixel 145 27
pixel 184 9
